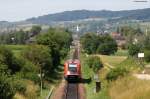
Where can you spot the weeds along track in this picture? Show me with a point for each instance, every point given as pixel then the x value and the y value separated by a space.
pixel 72 91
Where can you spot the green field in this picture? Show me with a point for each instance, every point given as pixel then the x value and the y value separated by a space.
pixel 16 49
pixel 121 53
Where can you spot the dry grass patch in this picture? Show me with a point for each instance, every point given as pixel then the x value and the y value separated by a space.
pixel 30 93
pixel 32 89
pixel 130 88
pixel 19 96
pixel 112 60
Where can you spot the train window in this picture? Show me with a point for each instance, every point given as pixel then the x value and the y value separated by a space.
pixel 73 67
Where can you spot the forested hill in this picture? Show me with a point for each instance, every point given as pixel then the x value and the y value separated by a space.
pixel 139 14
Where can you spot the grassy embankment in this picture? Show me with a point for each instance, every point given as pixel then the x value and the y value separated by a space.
pixel 129 87
pixel 108 61
pixel 33 89
pixel 126 87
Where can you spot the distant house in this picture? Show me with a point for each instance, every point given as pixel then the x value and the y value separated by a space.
pixel 121 41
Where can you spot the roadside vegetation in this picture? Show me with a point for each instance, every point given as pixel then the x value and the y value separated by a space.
pixel 88 76
pixel 116 75
pixel 23 67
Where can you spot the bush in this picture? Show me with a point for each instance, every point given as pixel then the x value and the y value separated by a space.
pixel 89 61
pixel 7 58
pixel 134 49
pixel 147 55
pixel 32 76
pixel 7 90
pixel 20 86
pixel 107 48
pixel 116 73
pixel 95 63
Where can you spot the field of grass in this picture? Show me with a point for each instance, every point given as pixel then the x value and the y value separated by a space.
pixel 112 60
pixel 121 53
pixel 130 88
pixel 16 49
pixel 110 90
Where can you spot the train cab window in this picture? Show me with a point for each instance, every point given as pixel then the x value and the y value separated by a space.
pixel 73 67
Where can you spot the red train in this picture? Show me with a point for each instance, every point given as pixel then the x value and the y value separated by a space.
pixel 72 69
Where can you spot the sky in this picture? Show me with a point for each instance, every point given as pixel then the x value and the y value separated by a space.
pixel 17 10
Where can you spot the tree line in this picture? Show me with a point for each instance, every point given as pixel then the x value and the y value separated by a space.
pixel 101 44
pixel 19 37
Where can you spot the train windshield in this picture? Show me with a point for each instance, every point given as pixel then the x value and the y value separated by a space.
pixel 73 67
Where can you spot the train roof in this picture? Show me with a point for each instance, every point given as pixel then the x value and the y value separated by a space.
pixel 73 61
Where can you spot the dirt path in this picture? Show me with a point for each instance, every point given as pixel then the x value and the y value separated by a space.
pixel 59 92
pixel 142 76
pixel 82 91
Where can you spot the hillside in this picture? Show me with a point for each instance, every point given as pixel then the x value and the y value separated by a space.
pixel 139 14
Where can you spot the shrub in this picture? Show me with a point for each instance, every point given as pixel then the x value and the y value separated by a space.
pixel 107 48
pixel 89 61
pixel 134 49
pixel 32 76
pixel 95 63
pixel 7 90
pixel 6 57
pixel 116 73
pixel 20 86
pixel 147 55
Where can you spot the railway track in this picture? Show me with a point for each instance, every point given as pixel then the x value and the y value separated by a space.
pixel 72 88
pixel 72 91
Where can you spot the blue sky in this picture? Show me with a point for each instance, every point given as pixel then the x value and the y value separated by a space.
pixel 15 10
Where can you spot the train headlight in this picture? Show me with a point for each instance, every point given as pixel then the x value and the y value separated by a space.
pixel 68 72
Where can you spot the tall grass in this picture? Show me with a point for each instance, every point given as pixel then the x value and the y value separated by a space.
pixel 30 93
pixel 130 88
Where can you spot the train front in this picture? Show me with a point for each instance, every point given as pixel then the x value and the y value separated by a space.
pixel 72 70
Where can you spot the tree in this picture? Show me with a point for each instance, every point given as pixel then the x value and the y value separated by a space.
pixel 40 56
pixel 7 58
pixel 134 49
pixel 90 42
pixel 7 90
pixel 107 48
pixel 35 30
pixel 103 44
pixel 58 41
pixel 15 37
pixel 95 63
